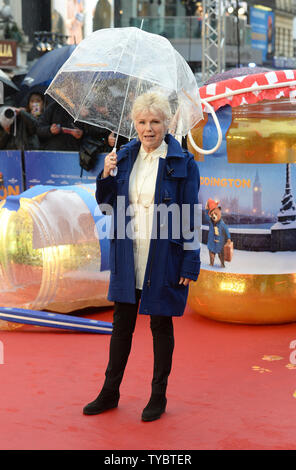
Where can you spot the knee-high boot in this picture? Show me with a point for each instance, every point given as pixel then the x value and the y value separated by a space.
pixel 163 347
pixel 118 356
pixel 124 321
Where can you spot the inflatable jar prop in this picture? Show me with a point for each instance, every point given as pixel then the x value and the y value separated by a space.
pixel 51 255
pixel 251 178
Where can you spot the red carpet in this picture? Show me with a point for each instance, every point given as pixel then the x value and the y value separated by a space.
pixel 216 398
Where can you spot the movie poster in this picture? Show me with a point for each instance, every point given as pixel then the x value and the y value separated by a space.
pixel 263 31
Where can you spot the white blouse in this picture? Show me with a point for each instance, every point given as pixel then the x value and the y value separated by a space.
pixel 141 197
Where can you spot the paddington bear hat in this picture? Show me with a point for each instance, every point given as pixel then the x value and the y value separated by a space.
pixel 211 205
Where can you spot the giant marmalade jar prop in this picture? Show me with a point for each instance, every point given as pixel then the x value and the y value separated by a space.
pixel 252 177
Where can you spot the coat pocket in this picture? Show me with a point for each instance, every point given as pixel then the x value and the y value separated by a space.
pixel 174 262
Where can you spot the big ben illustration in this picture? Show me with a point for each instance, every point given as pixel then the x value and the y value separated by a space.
pixel 257 196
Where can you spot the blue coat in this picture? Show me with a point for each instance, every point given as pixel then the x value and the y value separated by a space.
pixel 177 183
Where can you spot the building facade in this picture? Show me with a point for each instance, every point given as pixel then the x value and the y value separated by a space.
pixel 284 16
pixel 259 32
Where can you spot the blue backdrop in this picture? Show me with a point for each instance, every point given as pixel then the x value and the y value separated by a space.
pixel 11 182
pixel 58 169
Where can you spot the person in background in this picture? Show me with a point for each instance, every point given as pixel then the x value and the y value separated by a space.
pixel 36 105
pixel 111 139
pixel 57 131
pixel 18 125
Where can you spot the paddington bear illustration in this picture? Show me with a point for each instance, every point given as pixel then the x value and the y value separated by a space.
pixel 218 232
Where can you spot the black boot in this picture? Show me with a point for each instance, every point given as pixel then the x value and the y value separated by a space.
pixel 155 407
pixel 109 395
pixel 163 346
pixel 106 400
pixel 124 321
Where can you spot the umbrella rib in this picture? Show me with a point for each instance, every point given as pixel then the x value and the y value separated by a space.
pixel 86 96
pixel 175 61
pixel 123 49
pixel 127 89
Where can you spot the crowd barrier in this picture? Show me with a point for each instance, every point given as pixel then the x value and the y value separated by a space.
pixel 20 171
pixel 11 173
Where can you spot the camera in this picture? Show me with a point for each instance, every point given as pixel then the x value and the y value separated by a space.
pixel 7 116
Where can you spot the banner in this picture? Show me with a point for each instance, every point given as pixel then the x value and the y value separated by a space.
pixel 58 169
pixel 11 182
pixel 262 26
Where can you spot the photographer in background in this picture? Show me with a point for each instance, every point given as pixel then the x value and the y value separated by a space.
pixel 58 131
pixel 17 129
pixel 18 124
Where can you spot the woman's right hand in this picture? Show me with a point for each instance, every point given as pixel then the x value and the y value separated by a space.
pixel 110 164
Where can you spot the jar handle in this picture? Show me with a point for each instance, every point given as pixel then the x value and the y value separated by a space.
pixel 217 124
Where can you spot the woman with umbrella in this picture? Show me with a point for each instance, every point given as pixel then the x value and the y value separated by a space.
pixel 151 269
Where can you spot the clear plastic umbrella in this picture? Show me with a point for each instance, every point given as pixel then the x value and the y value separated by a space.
pixel 111 67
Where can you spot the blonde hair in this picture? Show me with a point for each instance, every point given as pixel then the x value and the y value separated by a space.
pixel 154 102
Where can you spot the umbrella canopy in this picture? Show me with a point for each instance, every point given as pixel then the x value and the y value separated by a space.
pixel 45 68
pixel 111 67
pixel 7 81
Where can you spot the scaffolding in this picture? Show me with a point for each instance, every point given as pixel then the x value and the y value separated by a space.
pixel 213 38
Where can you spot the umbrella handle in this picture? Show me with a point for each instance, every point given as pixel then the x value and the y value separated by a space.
pixel 217 124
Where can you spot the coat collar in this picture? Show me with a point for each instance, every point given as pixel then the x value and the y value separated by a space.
pixel 174 148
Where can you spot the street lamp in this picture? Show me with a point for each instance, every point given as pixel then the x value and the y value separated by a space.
pixel 46 41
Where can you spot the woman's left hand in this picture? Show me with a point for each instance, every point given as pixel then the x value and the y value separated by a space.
pixel 185 281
